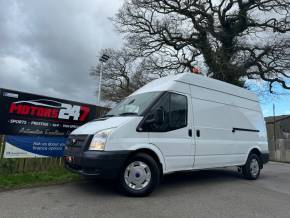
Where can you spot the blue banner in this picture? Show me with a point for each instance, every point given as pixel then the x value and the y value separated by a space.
pixel 33 146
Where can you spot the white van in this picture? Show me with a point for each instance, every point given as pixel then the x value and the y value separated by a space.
pixel 176 123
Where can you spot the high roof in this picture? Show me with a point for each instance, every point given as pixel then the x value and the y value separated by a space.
pixel 167 82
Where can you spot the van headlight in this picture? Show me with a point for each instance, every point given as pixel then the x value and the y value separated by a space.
pixel 99 140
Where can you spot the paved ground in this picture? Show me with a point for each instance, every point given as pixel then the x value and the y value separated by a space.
pixel 215 193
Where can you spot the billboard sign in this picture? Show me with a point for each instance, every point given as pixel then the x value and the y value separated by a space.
pixel 31 146
pixel 28 114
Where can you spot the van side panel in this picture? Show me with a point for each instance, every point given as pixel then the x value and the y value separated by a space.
pixel 246 140
pixel 214 146
pixel 246 103
pixel 216 116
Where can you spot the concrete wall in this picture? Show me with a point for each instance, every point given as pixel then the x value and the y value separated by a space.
pixel 279 140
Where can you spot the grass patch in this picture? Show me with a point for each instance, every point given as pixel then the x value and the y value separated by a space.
pixel 58 176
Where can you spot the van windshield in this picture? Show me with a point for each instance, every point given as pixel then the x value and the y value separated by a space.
pixel 133 105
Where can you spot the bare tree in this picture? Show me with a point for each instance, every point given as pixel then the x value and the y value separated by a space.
pixel 124 73
pixel 237 39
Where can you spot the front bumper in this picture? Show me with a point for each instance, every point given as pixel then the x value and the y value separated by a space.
pixel 102 164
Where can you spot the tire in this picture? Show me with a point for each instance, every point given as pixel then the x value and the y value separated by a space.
pixel 139 176
pixel 251 170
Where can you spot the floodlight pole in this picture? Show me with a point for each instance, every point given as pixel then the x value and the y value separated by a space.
pixel 100 84
pixel 103 59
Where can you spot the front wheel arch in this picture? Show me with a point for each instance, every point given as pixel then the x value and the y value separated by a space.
pixel 148 161
pixel 150 153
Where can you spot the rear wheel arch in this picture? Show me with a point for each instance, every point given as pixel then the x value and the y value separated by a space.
pixel 257 152
pixel 251 170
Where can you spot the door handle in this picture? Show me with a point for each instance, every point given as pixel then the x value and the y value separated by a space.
pixel 198 133
pixel 190 132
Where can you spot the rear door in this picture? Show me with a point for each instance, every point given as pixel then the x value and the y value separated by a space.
pixel 173 136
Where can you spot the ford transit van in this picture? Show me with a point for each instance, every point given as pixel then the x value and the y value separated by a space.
pixel 176 123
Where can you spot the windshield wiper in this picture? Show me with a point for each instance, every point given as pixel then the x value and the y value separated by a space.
pixel 128 114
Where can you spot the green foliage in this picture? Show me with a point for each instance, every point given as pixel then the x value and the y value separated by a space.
pixel 7 166
pixel 59 176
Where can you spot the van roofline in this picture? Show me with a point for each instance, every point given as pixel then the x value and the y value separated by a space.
pixel 164 84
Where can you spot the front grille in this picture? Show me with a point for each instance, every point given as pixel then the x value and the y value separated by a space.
pixel 78 140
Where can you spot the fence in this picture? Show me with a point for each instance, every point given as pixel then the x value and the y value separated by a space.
pixel 21 165
pixel 278 130
pixel 279 150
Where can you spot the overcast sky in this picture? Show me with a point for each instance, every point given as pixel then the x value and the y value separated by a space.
pixel 48 47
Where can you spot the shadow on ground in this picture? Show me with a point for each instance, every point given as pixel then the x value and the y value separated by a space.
pixel 178 180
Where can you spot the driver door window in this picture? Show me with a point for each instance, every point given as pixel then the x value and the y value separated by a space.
pixel 178 111
pixel 174 107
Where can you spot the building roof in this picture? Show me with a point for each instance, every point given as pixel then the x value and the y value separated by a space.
pixel 280 118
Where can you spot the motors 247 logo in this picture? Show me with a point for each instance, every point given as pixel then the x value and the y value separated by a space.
pixel 44 108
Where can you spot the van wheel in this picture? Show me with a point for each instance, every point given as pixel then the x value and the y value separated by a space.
pixel 139 176
pixel 251 170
